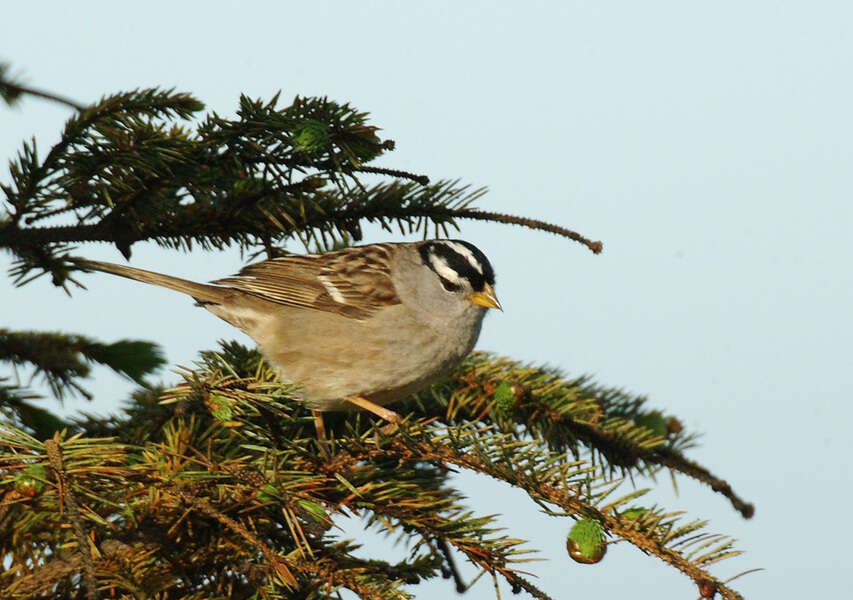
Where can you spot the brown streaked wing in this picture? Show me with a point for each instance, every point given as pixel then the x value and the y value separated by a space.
pixel 353 282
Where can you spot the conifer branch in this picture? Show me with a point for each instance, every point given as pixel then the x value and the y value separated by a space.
pixel 539 403
pixel 269 176
pixel 421 179
pixel 278 563
pixel 63 360
pixel 673 460
pixel 480 215
pixel 11 91
pixel 66 492
pixel 557 494
pixel 218 441
pixel 219 486
pixel 451 565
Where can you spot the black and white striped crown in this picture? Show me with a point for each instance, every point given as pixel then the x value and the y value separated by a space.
pixel 456 260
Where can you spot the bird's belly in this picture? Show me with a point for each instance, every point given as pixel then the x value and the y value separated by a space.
pixel 381 364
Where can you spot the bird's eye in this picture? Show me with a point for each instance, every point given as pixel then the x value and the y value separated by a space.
pixel 449 285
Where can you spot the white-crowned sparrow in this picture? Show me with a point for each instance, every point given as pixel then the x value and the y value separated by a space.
pixel 365 326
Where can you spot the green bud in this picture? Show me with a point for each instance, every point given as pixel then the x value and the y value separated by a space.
pixel 30 481
pixel 504 396
pixel 309 136
pixel 585 542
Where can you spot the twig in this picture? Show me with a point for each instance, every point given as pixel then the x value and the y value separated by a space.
pixel 205 508
pixel 482 215
pixel 54 455
pixel 622 453
pixel 304 566
pixel 16 89
pixel 699 473
pixel 659 456
pixel 430 450
pixel 518 583
pixel 421 179
pixel 451 565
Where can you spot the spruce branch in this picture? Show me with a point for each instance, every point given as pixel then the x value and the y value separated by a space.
pixel 219 486
pixel 421 179
pixel 123 176
pixel 66 492
pixel 479 215
pixel 553 490
pixel 279 564
pixel 216 458
pixel 569 415
pixel 31 193
pixel 451 565
pixel 676 462
pixel 63 358
pixel 12 91
pixel 17 407
pixel 531 469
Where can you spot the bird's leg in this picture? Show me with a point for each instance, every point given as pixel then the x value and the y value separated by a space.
pixel 320 428
pixel 379 411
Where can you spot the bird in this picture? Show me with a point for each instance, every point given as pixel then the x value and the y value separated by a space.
pixel 363 326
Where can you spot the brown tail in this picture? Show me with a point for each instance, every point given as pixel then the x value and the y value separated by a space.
pixel 200 291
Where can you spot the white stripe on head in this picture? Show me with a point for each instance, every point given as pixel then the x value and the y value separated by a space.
pixel 440 266
pixel 461 250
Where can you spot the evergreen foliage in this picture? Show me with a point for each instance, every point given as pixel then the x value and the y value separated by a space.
pixel 218 487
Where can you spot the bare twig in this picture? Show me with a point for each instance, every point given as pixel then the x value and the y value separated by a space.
pixel 422 179
pixel 482 215
pixel 682 465
pixel 658 456
pixel 15 89
pixel 451 565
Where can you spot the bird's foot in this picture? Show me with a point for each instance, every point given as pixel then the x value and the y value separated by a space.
pixel 394 419
pixel 379 411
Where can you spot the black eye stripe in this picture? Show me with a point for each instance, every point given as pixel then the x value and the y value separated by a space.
pixel 478 274
pixel 448 285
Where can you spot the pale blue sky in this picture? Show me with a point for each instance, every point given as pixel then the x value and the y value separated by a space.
pixel 709 145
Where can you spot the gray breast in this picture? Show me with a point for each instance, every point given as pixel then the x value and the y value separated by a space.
pixel 384 358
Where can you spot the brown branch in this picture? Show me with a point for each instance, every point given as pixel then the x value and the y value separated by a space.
pixel 284 569
pixel 539 490
pixel 451 565
pixel 676 462
pixel 329 573
pixel 518 583
pixel 481 215
pixel 617 450
pixel 426 520
pixel 105 231
pixel 421 179
pixel 204 507
pixel 54 455
pixel 17 90
pixel 665 457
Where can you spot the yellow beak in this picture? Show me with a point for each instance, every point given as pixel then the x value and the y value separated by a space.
pixel 486 298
